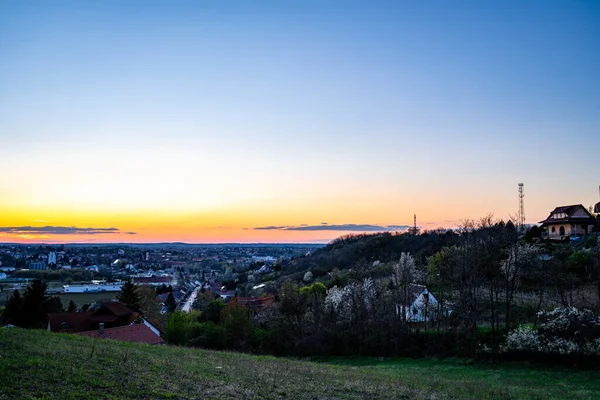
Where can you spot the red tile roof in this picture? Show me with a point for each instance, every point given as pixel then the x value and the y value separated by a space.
pixel 120 310
pixel 139 333
pixel 70 322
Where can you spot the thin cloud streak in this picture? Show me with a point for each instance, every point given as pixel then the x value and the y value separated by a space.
pixel 343 227
pixel 59 230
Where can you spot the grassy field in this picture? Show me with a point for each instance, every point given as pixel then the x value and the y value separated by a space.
pixel 79 298
pixel 86 298
pixel 40 364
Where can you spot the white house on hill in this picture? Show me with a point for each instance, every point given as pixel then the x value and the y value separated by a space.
pixel 422 305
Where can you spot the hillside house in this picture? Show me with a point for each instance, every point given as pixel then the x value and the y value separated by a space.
pixel 566 221
pixel 422 304
pixel 112 314
pixel 139 333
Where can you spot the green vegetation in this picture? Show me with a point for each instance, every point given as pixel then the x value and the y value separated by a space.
pixel 87 298
pixel 40 364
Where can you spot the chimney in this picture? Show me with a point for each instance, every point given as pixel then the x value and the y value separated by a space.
pixel 101 328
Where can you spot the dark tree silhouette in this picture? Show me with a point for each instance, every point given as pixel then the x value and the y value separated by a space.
pixel 72 306
pixel 170 303
pixel 13 313
pixel 36 304
pixel 130 296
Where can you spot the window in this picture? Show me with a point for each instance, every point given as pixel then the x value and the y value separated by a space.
pixel 553 229
pixel 562 231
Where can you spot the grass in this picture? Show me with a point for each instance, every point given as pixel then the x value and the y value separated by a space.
pixel 79 298
pixel 86 298
pixel 43 365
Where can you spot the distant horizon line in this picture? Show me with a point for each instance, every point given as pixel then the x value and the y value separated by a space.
pixel 315 243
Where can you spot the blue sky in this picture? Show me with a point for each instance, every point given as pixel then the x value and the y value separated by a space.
pixel 239 108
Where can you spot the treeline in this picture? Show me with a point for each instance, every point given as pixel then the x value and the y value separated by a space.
pixel 31 309
pixel 67 276
pixel 487 278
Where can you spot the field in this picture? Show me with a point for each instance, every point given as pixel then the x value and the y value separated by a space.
pixel 79 298
pixel 40 364
pixel 83 298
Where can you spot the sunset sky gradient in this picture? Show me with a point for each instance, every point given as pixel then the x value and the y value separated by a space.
pixel 201 121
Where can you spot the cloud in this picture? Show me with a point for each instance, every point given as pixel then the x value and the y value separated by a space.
pixel 343 227
pixel 59 230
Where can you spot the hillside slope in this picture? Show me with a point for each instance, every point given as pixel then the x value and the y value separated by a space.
pixel 39 364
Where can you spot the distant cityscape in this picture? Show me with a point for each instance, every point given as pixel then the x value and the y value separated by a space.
pixel 227 270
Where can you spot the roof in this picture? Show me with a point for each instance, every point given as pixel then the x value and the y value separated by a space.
pixel 139 333
pixel 153 279
pixel 70 321
pixel 597 208
pixel 569 211
pixel 120 310
pixel 252 302
pixel 414 290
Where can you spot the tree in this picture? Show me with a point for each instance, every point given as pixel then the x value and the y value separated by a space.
pixel 35 304
pixel 13 312
pixel 149 305
pixel 213 311
pixel 72 307
pixel 520 258
pixel 130 296
pixel 170 302
pixel 405 273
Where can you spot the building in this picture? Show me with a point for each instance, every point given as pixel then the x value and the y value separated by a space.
pixel 95 286
pixel 153 280
pixel 113 314
pixel 566 221
pixel 139 333
pixel 422 305
pixel 52 258
pixel 597 208
pixel 38 265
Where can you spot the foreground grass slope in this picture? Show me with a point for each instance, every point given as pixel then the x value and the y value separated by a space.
pixel 39 364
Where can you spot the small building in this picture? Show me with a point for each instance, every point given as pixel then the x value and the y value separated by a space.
pixel 566 221
pixel 52 258
pixel 38 265
pixel 422 305
pixel 597 208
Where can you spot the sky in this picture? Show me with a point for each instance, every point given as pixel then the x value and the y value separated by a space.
pixel 291 121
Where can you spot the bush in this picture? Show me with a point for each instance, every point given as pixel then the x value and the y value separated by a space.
pixel 207 335
pixel 563 331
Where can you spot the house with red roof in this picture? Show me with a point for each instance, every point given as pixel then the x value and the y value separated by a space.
pixel 139 333
pixel 111 314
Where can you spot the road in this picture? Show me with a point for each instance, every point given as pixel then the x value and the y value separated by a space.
pixel 187 307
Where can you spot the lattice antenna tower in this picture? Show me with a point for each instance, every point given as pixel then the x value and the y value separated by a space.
pixel 415 225
pixel 521 215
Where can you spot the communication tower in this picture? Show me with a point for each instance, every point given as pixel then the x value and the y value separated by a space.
pixel 521 215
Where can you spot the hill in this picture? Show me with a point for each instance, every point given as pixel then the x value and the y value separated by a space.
pixel 40 364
